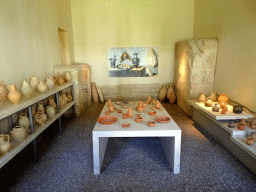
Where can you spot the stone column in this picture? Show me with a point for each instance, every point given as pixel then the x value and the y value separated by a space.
pixel 195 62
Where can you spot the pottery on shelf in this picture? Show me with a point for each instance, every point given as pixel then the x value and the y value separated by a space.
pixel 40 118
pixel 208 102
pixel 213 96
pixel 50 111
pixel 215 108
pixel 238 109
pixel 62 101
pixel 130 113
pixel 18 133
pixel 162 94
pixel 3 92
pixel 111 108
pixel 241 126
pixel 14 96
pixel 67 76
pixel 60 79
pixel 250 141
pixel 231 124
pixel 5 145
pixel 65 97
pixel 40 107
pixel 69 97
pixel 202 97
pixel 33 82
pixel 170 90
pixel 27 89
pixel 243 121
pixel 109 102
pixel 52 78
pixel 223 98
pixel 41 87
pixel 49 82
pixel 172 98
pixel 52 103
pixel 24 122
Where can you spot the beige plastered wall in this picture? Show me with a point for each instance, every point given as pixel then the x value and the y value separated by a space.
pixel 29 43
pixel 101 24
pixel 233 22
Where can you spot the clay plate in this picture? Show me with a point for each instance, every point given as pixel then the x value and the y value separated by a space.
pixel 107 120
pixel 162 119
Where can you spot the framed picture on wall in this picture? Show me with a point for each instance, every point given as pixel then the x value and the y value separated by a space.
pixel 133 61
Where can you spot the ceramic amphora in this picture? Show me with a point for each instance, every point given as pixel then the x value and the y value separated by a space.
pixel 111 108
pixel 67 76
pixel 52 103
pixel 14 96
pixel 18 133
pixel 208 102
pixel 33 82
pixel 40 118
pixel 60 79
pixel 41 87
pixel 4 145
pixel 27 89
pixel 50 111
pixel 65 98
pixel 202 97
pixel 24 122
pixel 61 101
pixel 3 92
pixel 223 98
pixel 40 107
pixel 69 97
pixel 172 98
pixel 213 96
pixel 162 93
pixel 157 104
pixel 49 83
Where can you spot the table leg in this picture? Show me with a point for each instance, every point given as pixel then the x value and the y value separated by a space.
pixel 172 146
pixel 99 148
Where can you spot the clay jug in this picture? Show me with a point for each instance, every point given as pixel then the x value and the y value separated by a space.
pixel 94 93
pixel 27 89
pixel 50 111
pixel 33 82
pixel 69 97
pixel 52 78
pixel 4 145
pixel 170 90
pixel 202 97
pixel 215 108
pixel 61 101
pixel 149 100
pixel 223 98
pixel 157 104
pixel 14 96
pixel 67 76
pixel 130 113
pixel 65 98
pixel 24 122
pixel 49 83
pixel 41 87
pixel 40 118
pixel 52 103
pixel 40 107
pixel 162 93
pixel 3 92
pixel 18 133
pixel 111 108
pixel 172 98
pixel 60 79
pixel 208 102
pixel 213 96
pixel 109 102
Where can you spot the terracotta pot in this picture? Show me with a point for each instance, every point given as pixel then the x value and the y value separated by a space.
pixel 213 96
pixel 107 112
pixel 18 133
pixel 208 102
pixel 241 126
pixel 138 119
pixel 202 97
pixel 41 87
pixel 65 98
pixel 111 108
pixel 62 101
pixel 149 100
pixel 50 111
pixel 215 108
pixel 94 93
pixel 14 96
pixel 223 111
pixel 4 145
pixel 223 105
pixel 109 103
pixel 67 76
pixel 162 93
pixel 40 107
pixel 125 115
pixel 3 92
pixel 152 113
pixel 250 141
pixel 60 79
pixel 52 103
pixel 158 105
pixel 27 89
pixel 69 97
pixel 130 113
pixel 33 82
pixel 40 118
pixel 223 98
pixel 172 98
pixel 151 123
pixel 107 120
pixel 238 109
pixel 49 83
pixel 140 107
pixel 24 122
pixel 125 125
pixel 119 111
pixel 138 115
pixel 231 124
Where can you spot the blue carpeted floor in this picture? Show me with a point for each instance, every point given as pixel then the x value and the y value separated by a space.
pixel 130 164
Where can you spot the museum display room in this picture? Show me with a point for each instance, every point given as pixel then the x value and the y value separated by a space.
pixel 127 95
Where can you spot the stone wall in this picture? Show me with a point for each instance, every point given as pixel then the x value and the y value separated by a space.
pixel 195 62
pixel 131 92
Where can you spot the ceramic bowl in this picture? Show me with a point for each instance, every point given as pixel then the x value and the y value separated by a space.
pixel 152 113
pixel 119 111
pixel 153 108
pixel 138 119
pixel 107 120
pixel 125 115
pixel 151 123
pixel 125 125
pixel 107 112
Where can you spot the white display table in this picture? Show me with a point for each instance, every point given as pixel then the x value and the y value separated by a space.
pixel 169 134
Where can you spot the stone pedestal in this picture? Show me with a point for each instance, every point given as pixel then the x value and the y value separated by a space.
pixel 195 62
